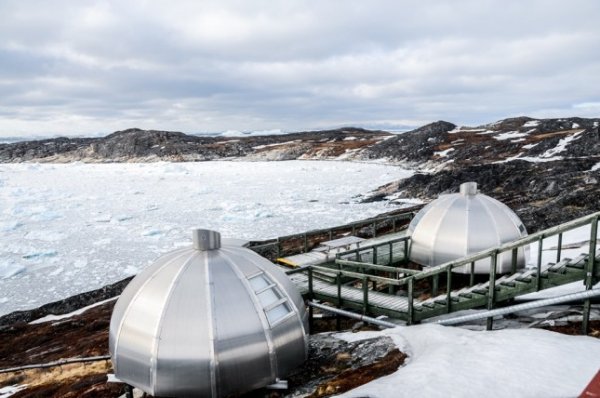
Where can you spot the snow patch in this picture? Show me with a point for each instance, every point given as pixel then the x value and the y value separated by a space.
pixel 529 146
pixel 575 126
pixel 595 167
pixel 561 146
pixel 444 153
pixel 6 392
pixel 449 361
pixel 532 123
pixel 509 135
pixel 52 317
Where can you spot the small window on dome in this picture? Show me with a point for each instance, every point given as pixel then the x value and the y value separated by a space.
pixel 274 303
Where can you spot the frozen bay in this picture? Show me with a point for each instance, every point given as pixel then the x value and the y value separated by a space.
pixel 69 228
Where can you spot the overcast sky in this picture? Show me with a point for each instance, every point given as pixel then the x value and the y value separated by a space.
pixel 93 67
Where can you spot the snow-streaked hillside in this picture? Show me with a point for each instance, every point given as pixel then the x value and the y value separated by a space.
pixel 70 228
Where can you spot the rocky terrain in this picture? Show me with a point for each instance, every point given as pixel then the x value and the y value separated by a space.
pixel 546 170
pixel 135 145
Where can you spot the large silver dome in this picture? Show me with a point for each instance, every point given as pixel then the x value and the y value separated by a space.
pixel 456 225
pixel 207 321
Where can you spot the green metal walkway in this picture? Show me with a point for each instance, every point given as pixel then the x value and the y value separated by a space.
pixel 372 280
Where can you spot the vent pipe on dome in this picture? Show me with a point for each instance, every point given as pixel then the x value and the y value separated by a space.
pixel 468 189
pixel 205 239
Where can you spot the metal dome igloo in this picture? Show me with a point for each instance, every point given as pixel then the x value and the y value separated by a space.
pixel 456 225
pixel 207 320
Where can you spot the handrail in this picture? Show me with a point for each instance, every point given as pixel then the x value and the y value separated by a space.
pixel 559 229
pixel 351 274
pixel 372 246
pixel 401 216
pixel 377 267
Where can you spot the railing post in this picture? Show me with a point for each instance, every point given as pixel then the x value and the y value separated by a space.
pixel 394 225
pixel 374 255
pixel 492 289
pixel 358 255
pixel 405 259
pixel 278 248
pixel 559 247
pixel 513 261
pixel 538 279
pixel 410 293
pixel 472 274
pixel 311 297
pixel 435 281
pixel 365 282
pixel 391 260
pixel 338 325
pixel 448 290
pixel 374 229
pixel 305 242
pixel 590 273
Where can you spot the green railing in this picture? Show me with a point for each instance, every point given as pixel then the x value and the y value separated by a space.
pixel 383 253
pixel 591 270
pixel 303 242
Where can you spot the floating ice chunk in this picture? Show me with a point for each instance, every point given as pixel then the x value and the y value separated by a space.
pixel 46 236
pixel 40 254
pixel 123 217
pixel 152 232
pixel 104 218
pixel 131 270
pixel 57 271
pixel 7 226
pixel 10 268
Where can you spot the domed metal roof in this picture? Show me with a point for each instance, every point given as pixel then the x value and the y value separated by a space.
pixel 207 321
pixel 456 225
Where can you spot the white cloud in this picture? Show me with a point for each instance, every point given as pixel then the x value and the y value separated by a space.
pixel 219 65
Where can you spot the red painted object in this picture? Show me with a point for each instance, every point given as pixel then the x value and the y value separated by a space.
pixel 593 389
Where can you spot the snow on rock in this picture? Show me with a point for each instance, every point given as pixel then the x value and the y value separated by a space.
pixel 448 361
pixel 509 135
pixel 561 146
pixel 53 318
pixel 444 153
pixel 532 123
pixel 8 391
pixel 595 167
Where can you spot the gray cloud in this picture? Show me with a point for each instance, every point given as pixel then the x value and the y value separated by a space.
pixel 69 67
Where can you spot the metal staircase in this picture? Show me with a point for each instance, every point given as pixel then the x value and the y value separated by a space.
pixel 383 286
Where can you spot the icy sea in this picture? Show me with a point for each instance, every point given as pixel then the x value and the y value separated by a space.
pixel 69 228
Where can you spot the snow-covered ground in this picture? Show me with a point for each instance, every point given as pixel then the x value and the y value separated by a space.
pixel 69 228
pixel 454 362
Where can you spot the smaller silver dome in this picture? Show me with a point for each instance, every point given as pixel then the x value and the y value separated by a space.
pixel 456 225
pixel 208 320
